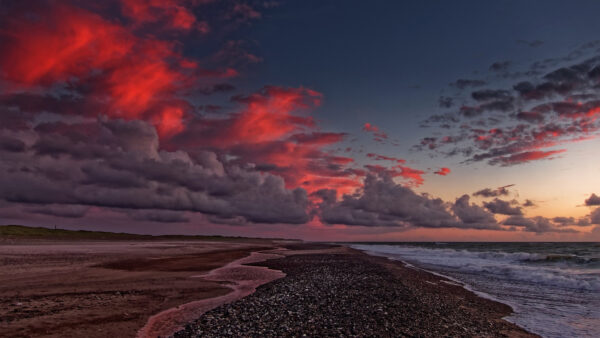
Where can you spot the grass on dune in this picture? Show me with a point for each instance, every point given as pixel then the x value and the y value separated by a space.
pixel 24 232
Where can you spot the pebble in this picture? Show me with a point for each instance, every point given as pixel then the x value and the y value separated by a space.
pixel 338 295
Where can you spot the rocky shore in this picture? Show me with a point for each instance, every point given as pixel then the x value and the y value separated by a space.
pixel 349 293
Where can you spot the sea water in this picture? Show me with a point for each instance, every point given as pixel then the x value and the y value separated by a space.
pixel 553 288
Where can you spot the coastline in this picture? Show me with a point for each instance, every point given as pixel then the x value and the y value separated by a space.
pixel 343 291
pixel 150 289
pixel 446 279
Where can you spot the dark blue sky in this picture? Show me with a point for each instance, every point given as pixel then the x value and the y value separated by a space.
pixel 366 57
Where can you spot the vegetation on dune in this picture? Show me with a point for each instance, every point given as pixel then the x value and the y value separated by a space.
pixel 24 232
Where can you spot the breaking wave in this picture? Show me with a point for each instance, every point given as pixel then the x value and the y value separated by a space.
pixel 554 289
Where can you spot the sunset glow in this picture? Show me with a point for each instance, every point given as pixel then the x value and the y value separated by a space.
pixel 163 117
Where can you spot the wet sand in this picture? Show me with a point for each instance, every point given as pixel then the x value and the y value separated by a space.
pixel 242 279
pixel 105 288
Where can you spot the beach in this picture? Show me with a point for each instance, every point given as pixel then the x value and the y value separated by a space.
pixel 201 288
pixel 105 288
pixel 344 292
pixel 553 288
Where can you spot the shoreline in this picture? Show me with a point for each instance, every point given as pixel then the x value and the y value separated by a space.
pixel 451 280
pixel 147 289
pixel 438 305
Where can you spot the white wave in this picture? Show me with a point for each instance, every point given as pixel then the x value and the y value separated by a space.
pixel 549 296
pixel 501 265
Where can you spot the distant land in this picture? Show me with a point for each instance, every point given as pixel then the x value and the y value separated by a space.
pixel 16 232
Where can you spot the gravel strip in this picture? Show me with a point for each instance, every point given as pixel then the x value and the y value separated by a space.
pixel 354 295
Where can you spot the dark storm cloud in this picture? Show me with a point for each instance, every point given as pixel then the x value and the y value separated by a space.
pixel 14 120
pixel 445 120
pixel 557 104
pixel 500 105
pixel 26 103
pixel 11 144
pixel 487 192
pixel 445 102
pixel 529 91
pixel 498 206
pixel 117 164
pixel 566 221
pixel 473 216
pixel 595 216
pixel 385 203
pixel 59 210
pixel 500 66
pixel 593 200
pixel 491 94
pixel 108 177
pixel 537 225
pixel 561 81
pixel 530 116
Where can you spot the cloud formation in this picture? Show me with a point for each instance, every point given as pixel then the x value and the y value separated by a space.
pixel 112 121
pixel 442 171
pixel 378 135
pixel 537 224
pixel 118 164
pixel 592 200
pixel 553 103
pixel 498 206
pixel 382 202
pixel 500 191
pixel 123 119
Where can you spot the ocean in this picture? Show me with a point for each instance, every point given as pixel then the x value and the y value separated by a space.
pixel 553 288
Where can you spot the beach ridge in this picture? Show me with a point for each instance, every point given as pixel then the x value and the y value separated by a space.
pixel 341 291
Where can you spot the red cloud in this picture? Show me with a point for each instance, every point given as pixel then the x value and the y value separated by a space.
pixel 122 71
pixel 378 157
pixel 130 76
pixel 318 138
pixel 378 135
pixel 274 130
pixel 171 12
pixel 528 156
pixel 269 115
pixel 61 42
pixel 169 121
pixel 442 171
pixel 370 128
pixel 414 176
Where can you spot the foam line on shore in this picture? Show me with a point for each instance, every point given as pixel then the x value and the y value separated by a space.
pixel 457 282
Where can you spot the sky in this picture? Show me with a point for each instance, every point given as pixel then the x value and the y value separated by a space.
pixel 318 120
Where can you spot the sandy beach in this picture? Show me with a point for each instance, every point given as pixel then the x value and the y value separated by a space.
pixel 105 288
